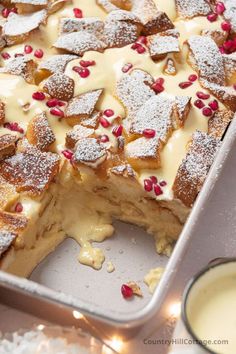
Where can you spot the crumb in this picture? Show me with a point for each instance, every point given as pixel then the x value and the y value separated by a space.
pixel 153 278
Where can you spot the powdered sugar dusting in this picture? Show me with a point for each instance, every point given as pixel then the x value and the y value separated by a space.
pixel 192 8
pixel 60 86
pixel 6 239
pixel 83 104
pixel 90 24
pixel 160 44
pixel 143 148
pixel 89 150
pixel 57 63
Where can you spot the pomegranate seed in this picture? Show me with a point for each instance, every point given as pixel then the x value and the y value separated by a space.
pixel 104 122
pixel 104 138
pixel 39 96
pixel 228 45
pixel 214 105
pixel 28 49
pixel 108 113
pixel 158 88
pixel 207 112
pixel 38 53
pixel 57 112
pixel 157 190
pixel 185 84
pixel 149 133
pixel 77 12
pixel 5 55
pixel 222 50
pixel 212 17
pixel 135 46
pixel 147 185
pixel 142 39
pixel 86 63
pixel 153 179
pixel 163 183
pixel 226 26
pixel 192 77
pixel 14 127
pixel 234 86
pixel 220 8
pixel 202 95
pixel 53 102
pixel 5 12
pixel 127 67
pixel 18 208
pixel 199 104
pixel 160 81
pixel 61 103
pixel 117 131
pixel 141 49
pixel 126 291
pixel 68 154
pixel 83 72
pixel 14 10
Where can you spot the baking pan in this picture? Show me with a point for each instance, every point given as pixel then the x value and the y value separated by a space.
pixel 61 284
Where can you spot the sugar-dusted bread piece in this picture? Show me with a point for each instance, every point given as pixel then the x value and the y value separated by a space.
pixel 121 28
pixel 134 89
pixel 230 13
pixel 2 112
pixel 205 57
pixel 7 145
pixel 91 121
pixel 230 66
pixel 59 86
pixel 78 132
pixel 79 43
pixel 82 106
pixel 144 153
pixel 194 168
pixel 8 194
pixel 90 24
pixel 107 5
pixel 27 6
pixel 152 19
pixel 161 44
pixel 39 133
pixel 56 63
pixel 170 67
pixel 30 170
pixel 217 35
pixel 191 8
pixel 89 152
pixel 218 123
pixel 55 5
pixel 18 27
pixel 21 66
pixel 6 240
pixel 181 110
pixel 12 222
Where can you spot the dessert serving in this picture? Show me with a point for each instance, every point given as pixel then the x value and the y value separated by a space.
pixel 109 109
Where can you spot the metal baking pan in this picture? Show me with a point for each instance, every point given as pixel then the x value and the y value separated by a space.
pixel 59 285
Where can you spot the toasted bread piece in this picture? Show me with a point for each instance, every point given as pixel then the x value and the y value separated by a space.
pixel 121 28
pixel 21 66
pixel 90 24
pixel 218 123
pixel 18 27
pixel 92 121
pixel 230 67
pixel 79 43
pixel 181 110
pixel 2 42
pixel 8 194
pixel 190 9
pixel 6 240
pixel 82 106
pixel 31 170
pixel 39 132
pixel 134 89
pixel 12 222
pixel 144 153
pixel 107 5
pixel 59 86
pixel 205 57
pixel 194 168
pixel 218 36
pixel 170 68
pixel 2 112
pixel 89 152
pixel 7 145
pixel 230 14
pixel 153 21
pixel 55 5
pixel 27 6
pixel 78 132
pixel 125 171
pixel 56 63
pixel 161 44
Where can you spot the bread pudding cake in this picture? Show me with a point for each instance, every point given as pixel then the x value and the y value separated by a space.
pixel 109 109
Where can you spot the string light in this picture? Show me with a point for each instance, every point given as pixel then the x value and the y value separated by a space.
pixel 175 309
pixel 78 315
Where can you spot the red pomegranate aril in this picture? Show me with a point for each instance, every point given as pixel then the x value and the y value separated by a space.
pixel 28 49
pixel 127 67
pixel 57 112
pixel 199 104
pixel 108 113
pixel 13 126
pixel 61 103
pixel 192 77
pixel 147 183
pixel 163 183
pixel 142 39
pixel 149 133
pixel 234 86
pixel 78 12
pixel 53 102
pixel 222 50
pixel 158 88
pixel 228 45
pixel 39 96
pixel 153 179
pixel 226 26
pixel 214 105
pixel 104 122
pixel 126 291
pixel 104 138
pixel 141 49
pixel 5 55
pixel 86 63
pixel 185 84
pixel 157 190
pixel 38 53
pixel 117 131
pixel 220 8
pixel 160 81
pixel 135 46
pixel 68 154
pixel 14 10
pixel 18 208
pixel 5 12
pixel 207 112
pixel 212 17
pixel 202 95
pixel 83 72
